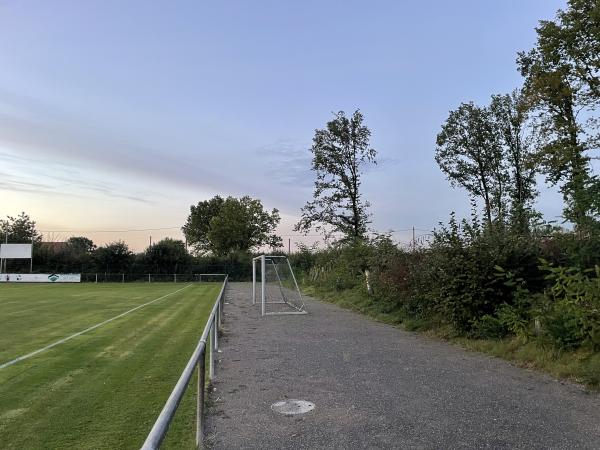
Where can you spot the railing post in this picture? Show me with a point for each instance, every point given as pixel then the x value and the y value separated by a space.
pixel 216 330
pixel 200 399
pixel 211 355
pixel 220 313
pixel 254 281
pixel 262 284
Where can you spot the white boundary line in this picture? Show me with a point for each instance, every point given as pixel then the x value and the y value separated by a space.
pixel 93 327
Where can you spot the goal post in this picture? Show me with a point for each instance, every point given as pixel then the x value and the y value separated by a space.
pixel 279 292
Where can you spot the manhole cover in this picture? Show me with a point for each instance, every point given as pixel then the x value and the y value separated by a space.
pixel 290 407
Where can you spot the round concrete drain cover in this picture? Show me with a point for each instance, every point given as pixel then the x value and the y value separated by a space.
pixel 291 407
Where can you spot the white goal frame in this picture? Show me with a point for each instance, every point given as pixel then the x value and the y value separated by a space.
pixel 263 294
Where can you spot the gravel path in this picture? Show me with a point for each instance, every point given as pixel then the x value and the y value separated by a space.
pixel 376 386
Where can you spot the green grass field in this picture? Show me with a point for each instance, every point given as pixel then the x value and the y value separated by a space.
pixel 102 389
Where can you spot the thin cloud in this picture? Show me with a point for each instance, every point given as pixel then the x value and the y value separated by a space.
pixel 289 162
pixel 36 128
pixel 50 181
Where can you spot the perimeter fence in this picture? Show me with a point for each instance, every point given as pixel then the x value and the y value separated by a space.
pixel 150 277
pixel 197 363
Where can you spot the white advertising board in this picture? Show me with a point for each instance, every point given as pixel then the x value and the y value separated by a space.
pixel 15 251
pixel 40 277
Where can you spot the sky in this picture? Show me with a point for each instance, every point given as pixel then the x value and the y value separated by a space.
pixel 118 115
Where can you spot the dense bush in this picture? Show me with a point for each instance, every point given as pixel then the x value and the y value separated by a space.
pixel 570 312
pixel 481 282
pixel 165 257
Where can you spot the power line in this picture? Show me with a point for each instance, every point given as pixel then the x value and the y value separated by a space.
pixel 109 231
pixel 177 228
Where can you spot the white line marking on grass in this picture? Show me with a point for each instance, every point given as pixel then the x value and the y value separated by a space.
pixel 68 338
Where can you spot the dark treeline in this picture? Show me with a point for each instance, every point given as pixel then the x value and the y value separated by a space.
pixel 80 255
pixel 221 234
pixel 168 256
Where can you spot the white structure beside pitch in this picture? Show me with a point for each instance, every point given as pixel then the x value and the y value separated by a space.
pixel 40 277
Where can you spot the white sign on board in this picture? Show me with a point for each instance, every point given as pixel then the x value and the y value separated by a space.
pixel 15 251
pixel 40 277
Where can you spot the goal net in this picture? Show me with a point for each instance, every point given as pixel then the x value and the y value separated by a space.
pixel 274 286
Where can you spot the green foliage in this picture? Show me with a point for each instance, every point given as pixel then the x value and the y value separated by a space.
pixel 81 245
pixel 341 267
pixel 469 152
pixel 571 311
pixel 19 230
pixel 197 225
pixel 591 371
pixel 340 151
pixel 223 226
pixel 486 289
pixel 489 327
pixel 563 324
pixel 511 122
pixel 517 317
pixel 304 259
pixel 166 256
pixel 561 79
pixel 114 258
pixel 242 225
pixel 466 258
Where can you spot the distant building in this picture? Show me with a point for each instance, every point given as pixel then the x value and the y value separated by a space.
pixel 53 247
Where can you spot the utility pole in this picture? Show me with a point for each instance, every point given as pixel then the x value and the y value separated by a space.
pixel 4 260
pixel 150 241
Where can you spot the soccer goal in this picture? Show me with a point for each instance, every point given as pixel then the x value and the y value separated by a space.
pixel 274 283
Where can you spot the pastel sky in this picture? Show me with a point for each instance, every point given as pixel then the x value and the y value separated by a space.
pixel 117 115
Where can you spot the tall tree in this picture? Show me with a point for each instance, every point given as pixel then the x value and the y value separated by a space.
pixel 81 245
pixel 78 253
pixel 222 226
pixel 20 229
pixel 113 258
pixel 340 153
pixel 576 35
pixel 197 225
pixel 166 256
pixel 511 122
pixel 561 86
pixel 470 153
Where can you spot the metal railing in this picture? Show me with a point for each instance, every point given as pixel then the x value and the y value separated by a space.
pixel 105 277
pixel 197 361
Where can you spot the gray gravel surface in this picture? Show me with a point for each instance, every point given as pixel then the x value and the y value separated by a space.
pixel 376 386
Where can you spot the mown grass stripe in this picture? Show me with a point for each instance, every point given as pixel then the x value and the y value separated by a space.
pixel 79 333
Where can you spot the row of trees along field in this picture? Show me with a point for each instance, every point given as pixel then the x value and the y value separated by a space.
pixel 221 234
pixel 503 279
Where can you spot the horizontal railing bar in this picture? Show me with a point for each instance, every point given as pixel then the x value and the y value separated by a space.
pixel 161 426
pixel 211 317
pixel 159 430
